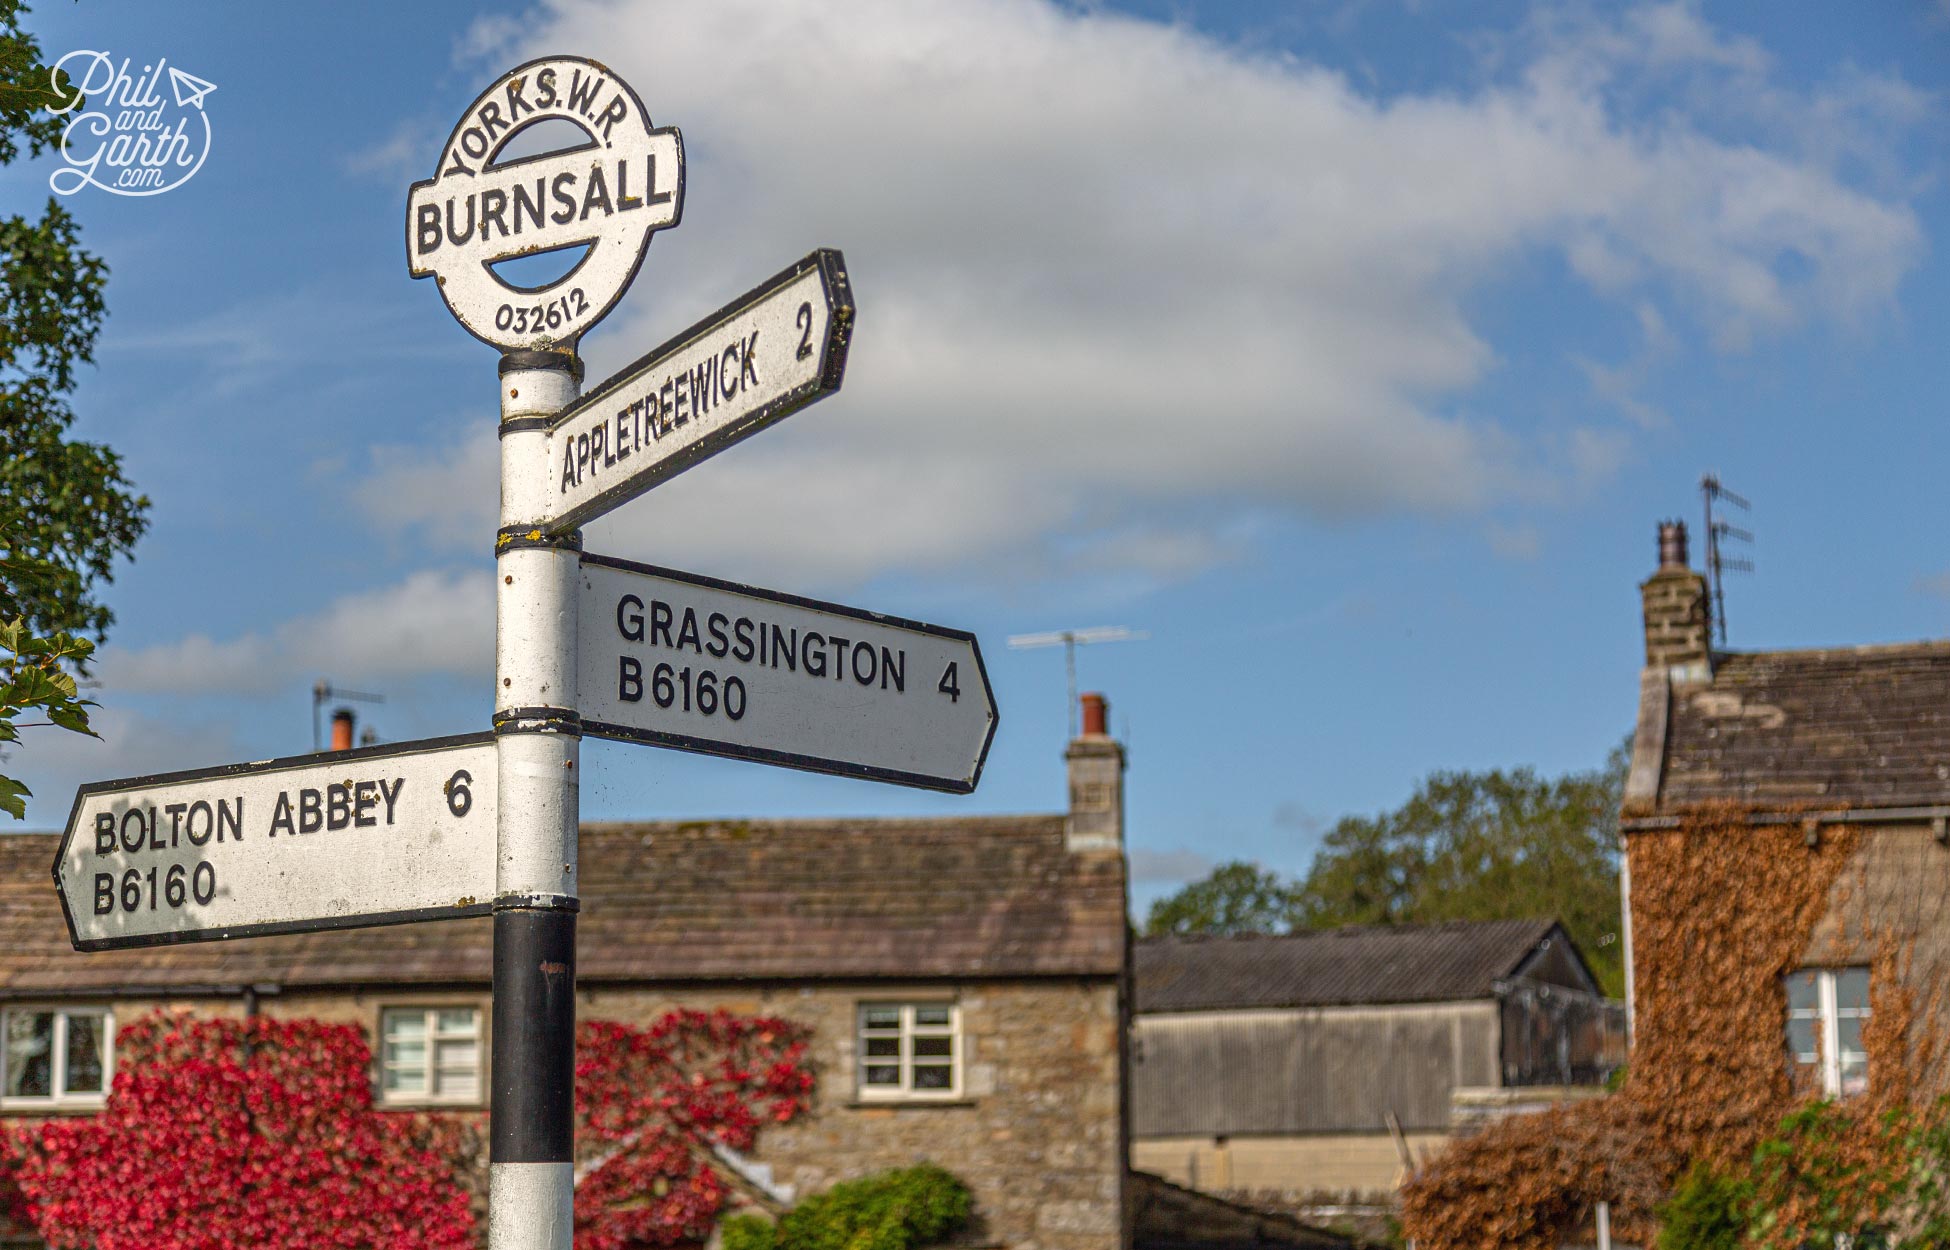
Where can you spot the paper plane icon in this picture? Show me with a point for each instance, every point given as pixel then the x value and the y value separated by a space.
pixel 190 89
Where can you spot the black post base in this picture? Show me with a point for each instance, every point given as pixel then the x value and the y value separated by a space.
pixel 531 1108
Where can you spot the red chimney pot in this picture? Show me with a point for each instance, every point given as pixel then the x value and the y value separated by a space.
pixel 1096 716
pixel 342 729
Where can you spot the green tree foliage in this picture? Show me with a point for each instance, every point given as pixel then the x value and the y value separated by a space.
pixel 1501 844
pixel 66 510
pixel 1237 898
pixel 33 675
pixel 1482 846
pixel 915 1206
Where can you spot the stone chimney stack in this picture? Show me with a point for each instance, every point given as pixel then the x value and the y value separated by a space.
pixel 1678 612
pixel 1096 821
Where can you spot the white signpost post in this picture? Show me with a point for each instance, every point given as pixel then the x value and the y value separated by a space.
pixel 677 660
pixel 488 824
pixel 381 835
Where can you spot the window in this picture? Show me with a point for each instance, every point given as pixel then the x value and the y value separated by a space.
pixel 910 1050
pixel 1826 1008
pixel 53 1058
pixel 430 1054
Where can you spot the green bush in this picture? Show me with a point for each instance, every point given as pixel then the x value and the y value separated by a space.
pixel 896 1210
pixel 1707 1211
pixel 749 1232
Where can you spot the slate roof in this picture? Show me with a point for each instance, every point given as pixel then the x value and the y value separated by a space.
pixel 1847 727
pixel 1359 965
pixel 990 896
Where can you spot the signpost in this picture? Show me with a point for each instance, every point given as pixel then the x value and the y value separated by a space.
pixel 677 660
pixel 752 363
pixel 381 835
pixel 488 823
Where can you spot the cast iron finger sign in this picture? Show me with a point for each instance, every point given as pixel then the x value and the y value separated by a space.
pixel 605 197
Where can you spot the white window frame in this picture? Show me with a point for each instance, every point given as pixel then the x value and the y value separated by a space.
pixel 1827 1015
pixel 909 1030
pixel 58 1073
pixel 430 1094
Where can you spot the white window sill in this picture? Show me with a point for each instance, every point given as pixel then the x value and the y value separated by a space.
pixel 908 1101
pixel 472 1103
pixel 53 1106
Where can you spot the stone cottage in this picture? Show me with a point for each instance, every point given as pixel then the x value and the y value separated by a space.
pixel 962 979
pixel 1786 862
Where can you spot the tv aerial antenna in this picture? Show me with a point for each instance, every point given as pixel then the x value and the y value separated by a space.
pixel 1710 490
pixel 323 692
pixel 1070 640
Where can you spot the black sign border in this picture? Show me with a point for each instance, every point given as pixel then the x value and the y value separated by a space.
pixel 364 920
pixel 784 759
pixel 832 370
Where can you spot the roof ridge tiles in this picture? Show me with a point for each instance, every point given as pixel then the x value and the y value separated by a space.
pixel 1410 928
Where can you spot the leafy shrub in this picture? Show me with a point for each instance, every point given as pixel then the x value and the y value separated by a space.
pixel 908 1207
pixel 1707 1211
pixel 749 1232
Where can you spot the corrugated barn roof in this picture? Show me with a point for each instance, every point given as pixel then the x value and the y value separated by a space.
pixel 1337 967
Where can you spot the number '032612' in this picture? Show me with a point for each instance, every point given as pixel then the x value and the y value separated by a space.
pixel 553 315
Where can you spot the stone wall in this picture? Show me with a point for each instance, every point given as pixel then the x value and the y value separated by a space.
pixel 1367 1165
pixel 1035 1134
pixel 1889 909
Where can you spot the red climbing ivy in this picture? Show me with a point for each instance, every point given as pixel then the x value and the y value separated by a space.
pixel 650 1105
pixel 226 1134
pixel 229 1134
pixel 14 1213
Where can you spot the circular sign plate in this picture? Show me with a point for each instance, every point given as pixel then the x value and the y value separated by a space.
pixel 604 198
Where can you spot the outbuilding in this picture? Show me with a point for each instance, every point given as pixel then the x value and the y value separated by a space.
pixel 1330 1063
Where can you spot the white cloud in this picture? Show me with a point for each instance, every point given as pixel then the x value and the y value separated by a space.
pixel 1936 585
pixel 432 622
pixel 486 39
pixel 1300 819
pixel 399 157
pixel 1119 282
pixel 53 762
pixel 1168 866
pixel 447 494
pixel 1521 541
pixel 262 340
pixel 1620 384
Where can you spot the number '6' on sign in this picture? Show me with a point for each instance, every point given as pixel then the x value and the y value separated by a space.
pixel 460 799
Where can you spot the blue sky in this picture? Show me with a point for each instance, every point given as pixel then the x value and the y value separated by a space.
pixel 1352 351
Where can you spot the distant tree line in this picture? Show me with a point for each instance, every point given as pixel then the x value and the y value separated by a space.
pixel 1495 845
